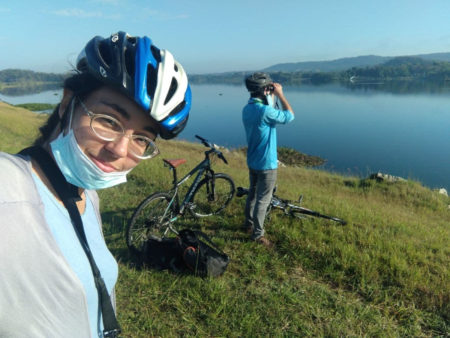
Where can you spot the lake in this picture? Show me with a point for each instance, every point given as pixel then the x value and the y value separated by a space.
pixel 358 130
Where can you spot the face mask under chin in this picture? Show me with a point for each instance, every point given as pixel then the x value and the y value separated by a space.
pixel 78 169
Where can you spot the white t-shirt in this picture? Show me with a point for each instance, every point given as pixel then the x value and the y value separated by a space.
pixel 40 294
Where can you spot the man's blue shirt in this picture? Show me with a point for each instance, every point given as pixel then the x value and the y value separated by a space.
pixel 260 121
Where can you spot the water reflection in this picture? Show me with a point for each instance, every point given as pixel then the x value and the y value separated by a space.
pixel 401 87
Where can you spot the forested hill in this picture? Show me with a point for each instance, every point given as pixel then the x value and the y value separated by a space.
pixel 349 62
pixel 406 68
pixel 399 68
pixel 13 76
pixel 329 66
pixel 19 81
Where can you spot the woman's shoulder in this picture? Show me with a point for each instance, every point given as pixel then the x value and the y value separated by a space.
pixel 14 162
pixel 15 175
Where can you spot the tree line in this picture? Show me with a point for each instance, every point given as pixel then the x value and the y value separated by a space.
pixel 400 68
pixel 19 82
pixel 16 76
pixel 404 68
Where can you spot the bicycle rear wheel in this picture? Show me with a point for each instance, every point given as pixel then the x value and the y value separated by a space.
pixel 212 195
pixel 300 212
pixel 150 220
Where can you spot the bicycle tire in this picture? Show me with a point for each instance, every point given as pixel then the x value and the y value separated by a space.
pixel 204 204
pixel 300 212
pixel 149 220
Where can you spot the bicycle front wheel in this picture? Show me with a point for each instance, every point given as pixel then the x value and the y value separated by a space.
pixel 212 195
pixel 150 220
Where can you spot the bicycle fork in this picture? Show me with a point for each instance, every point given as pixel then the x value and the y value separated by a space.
pixel 210 186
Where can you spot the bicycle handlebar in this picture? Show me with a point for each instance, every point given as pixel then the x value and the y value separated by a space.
pixel 213 147
pixel 204 141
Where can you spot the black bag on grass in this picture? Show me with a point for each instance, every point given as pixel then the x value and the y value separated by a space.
pixel 200 254
pixel 163 254
pixel 191 251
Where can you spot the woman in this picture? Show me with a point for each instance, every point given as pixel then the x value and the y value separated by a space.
pixel 126 92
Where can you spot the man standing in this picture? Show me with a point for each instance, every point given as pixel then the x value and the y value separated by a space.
pixel 260 119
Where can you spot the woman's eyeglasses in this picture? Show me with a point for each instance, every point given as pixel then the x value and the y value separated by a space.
pixel 108 128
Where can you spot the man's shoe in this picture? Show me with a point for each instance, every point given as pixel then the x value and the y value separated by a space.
pixel 264 241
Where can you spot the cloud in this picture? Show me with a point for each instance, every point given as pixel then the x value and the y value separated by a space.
pixel 163 15
pixel 79 13
pixel 108 2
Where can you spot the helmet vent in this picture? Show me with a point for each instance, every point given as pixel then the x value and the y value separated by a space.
pixel 131 39
pixel 105 53
pixel 129 62
pixel 175 67
pixel 172 90
pixel 156 53
pixel 151 80
pixel 178 108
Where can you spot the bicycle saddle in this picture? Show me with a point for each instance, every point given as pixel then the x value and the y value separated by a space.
pixel 174 162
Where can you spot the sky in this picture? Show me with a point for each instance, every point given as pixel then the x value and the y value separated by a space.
pixel 208 36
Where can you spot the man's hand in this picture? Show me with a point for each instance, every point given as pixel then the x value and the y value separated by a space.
pixel 274 88
pixel 278 91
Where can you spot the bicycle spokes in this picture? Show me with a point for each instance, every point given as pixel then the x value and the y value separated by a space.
pixel 210 198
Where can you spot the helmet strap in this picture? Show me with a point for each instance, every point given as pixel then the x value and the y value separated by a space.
pixel 66 119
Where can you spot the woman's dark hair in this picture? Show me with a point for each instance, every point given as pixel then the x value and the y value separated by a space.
pixel 81 84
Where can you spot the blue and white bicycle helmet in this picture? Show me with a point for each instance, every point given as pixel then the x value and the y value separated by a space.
pixel 148 75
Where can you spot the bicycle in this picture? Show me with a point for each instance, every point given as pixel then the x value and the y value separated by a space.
pixel 208 195
pixel 289 208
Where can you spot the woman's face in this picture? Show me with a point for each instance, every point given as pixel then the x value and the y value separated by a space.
pixel 111 156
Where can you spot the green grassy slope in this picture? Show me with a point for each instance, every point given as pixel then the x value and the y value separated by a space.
pixel 386 273
pixel 18 127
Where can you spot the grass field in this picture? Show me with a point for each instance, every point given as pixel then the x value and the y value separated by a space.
pixel 386 273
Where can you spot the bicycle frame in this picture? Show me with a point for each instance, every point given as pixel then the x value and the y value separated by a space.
pixel 285 205
pixel 164 208
pixel 289 207
pixel 201 168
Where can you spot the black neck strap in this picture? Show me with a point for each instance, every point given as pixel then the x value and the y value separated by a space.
pixel 69 195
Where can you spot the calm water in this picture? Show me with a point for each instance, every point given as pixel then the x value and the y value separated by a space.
pixel 51 96
pixel 358 131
